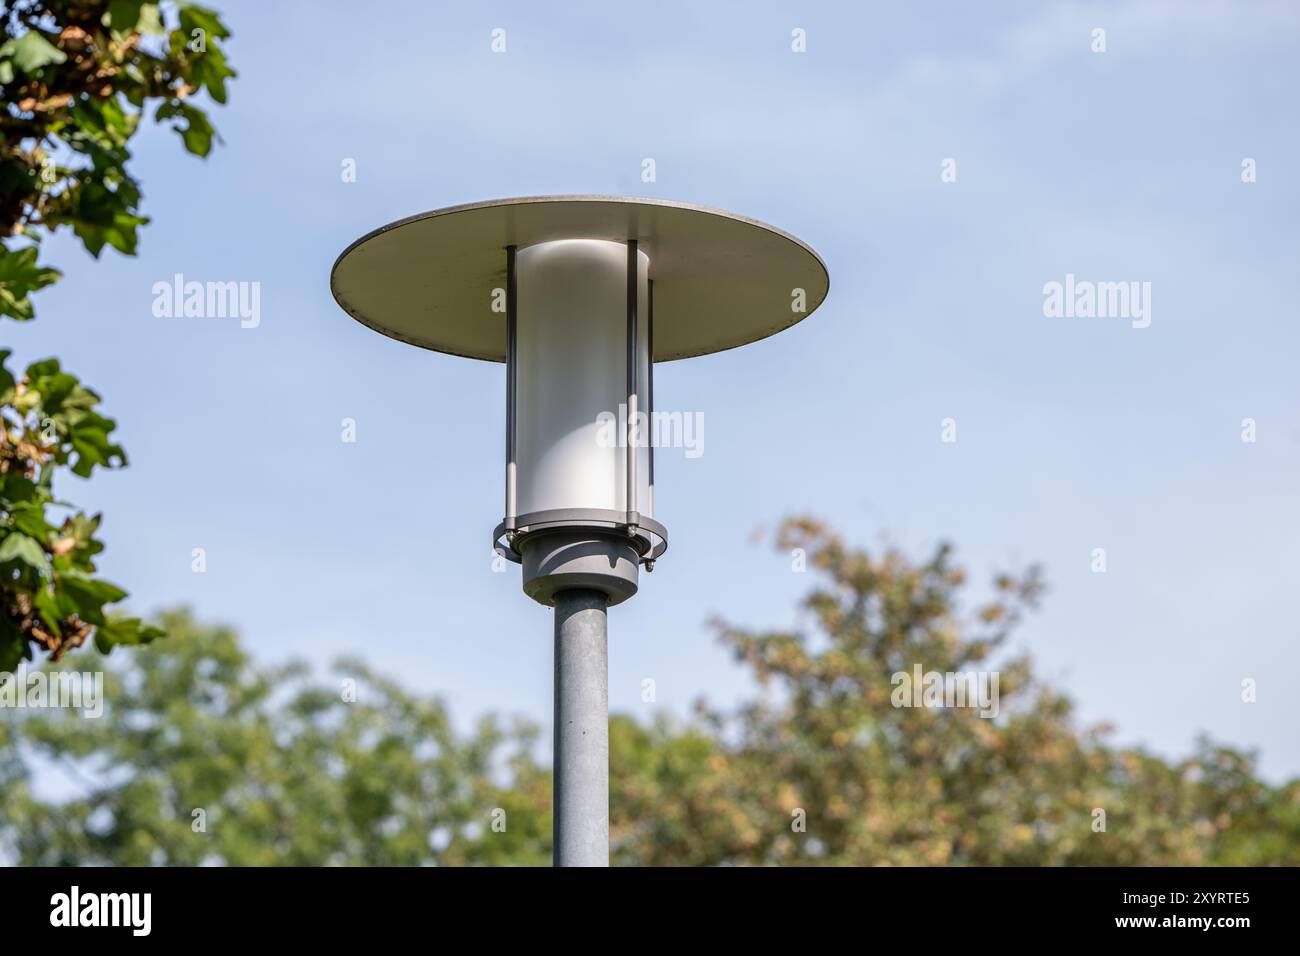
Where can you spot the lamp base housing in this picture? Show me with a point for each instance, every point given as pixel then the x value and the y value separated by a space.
pixel 582 558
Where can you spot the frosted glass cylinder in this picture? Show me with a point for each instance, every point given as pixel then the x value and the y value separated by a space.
pixel 571 374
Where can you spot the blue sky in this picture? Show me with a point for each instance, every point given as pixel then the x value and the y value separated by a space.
pixel 1073 433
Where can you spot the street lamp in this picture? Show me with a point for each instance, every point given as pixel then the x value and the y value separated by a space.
pixel 579 296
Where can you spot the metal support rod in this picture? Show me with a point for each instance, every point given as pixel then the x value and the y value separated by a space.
pixel 632 288
pixel 650 390
pixel 581 757
pixel 512 363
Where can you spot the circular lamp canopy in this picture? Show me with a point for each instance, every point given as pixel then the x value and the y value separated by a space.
pixel 721 280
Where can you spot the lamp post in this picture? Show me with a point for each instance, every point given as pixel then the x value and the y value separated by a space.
pixel 596 290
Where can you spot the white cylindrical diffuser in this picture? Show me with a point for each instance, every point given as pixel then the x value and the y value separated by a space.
pixel 571 378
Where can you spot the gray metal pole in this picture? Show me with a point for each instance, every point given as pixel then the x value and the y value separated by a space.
pixel 581 811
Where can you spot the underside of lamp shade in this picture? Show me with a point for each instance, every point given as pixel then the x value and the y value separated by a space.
pixel 721 280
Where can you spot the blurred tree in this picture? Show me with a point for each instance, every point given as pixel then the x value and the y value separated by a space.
pixel 202 758
pixel 288 771
pixel 76 77
pixel 879 784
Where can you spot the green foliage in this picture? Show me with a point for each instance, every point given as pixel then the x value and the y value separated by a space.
pixel 284 769
pixel 76 76
pixel 288 771
pixel 28 54
pixel 50 596
pixel 880 784
pixel 20 276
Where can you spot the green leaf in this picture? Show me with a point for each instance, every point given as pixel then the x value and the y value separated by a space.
pixel 19 277
pixel 124 15
pixel 17 546
pixel 54 606
pixel 13 646
pixel 31 51
pixel 89 594
pixel 193 16
pixel 151 21
pixel 6 377
pixel 211 71
pixel 30 520
pixel 15 489
pixel 197 133
pixel 129 631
